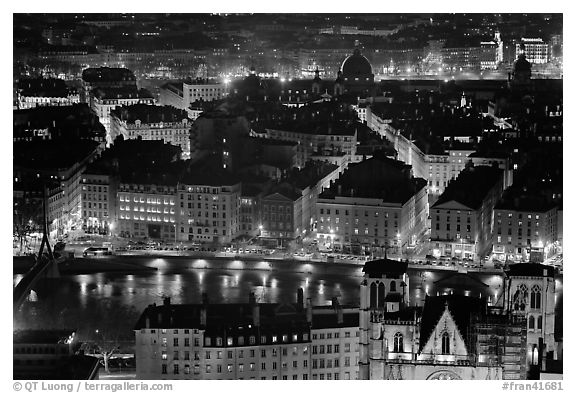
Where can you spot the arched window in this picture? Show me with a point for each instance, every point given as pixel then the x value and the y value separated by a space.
pixel 445 343
pixel 398 342
pixel 520 297
pixel 540 322
pixel 381 293
pixel 530 322
pixel 535 297
pixel 373 295
pixel 392 286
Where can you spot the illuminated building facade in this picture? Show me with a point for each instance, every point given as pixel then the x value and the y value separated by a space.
pixel 105 77
pixel 98 202
pixel 443 340
pixel 335 342
pixel 104 101
pixel 208 208
pixel 535 50
pixel 151 122
pixel 531 294
pixel 45 92
pixel 147 210
pixel 525 229
pixel 261 341
pixel 223 341
pixel 462 221
pixel 375 203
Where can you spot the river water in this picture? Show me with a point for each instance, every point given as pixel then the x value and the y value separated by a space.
pixel 83 301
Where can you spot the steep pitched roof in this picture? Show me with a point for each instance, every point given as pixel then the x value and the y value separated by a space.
pixel 461 308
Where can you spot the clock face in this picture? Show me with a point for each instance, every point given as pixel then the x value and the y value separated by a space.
pixel 443 375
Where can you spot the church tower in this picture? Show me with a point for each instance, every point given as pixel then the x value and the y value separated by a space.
pixel 316 82
pixel 382 278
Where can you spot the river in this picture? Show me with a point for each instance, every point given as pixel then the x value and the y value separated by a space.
pixel 81 301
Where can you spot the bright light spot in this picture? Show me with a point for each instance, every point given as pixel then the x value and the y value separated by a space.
pixel 282 80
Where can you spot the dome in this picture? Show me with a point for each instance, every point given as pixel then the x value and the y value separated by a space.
pixel 356 65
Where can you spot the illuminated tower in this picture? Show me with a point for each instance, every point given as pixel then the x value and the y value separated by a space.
pixel 382 278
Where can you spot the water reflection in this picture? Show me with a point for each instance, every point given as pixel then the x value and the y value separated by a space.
pixel 185 280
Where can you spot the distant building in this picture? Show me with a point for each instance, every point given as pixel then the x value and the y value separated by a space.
pixel 328 140
pixel 376 203
pixel 183 94
pixel 105 77
pixel 57 122
pixel 102 178
pixel 357 73
pixel 223 341
pixel 263 341
pixel 105 100
pixel 462 221
pixel 147 206
pixel 98 201
pixel 535 50
pixel 57 165
pixel 208 203
pixel 289 210
pixel 525 228
pixel 451 337
pixel 49 355
pixel 151 122
pixel 222 132
pixel 45 92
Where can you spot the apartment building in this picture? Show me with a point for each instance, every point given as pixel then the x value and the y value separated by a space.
pixel 525 228
pixel 375 203
pixel 151 122
pixel 208 205
pixel 462 220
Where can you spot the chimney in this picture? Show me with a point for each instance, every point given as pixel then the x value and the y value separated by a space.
pixel 167 301
pixel 300 299
pixel 309 310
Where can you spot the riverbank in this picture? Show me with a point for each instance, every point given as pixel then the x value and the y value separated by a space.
pixel 152 261
pixel 84 266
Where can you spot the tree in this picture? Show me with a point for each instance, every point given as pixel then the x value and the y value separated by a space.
pixel 110 330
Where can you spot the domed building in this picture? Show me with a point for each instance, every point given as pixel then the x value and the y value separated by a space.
pixel 357 73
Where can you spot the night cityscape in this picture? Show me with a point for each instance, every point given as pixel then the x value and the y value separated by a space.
pixel 287 197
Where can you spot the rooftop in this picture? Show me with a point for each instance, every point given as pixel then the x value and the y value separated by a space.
pixel 462 308
pixel 221 317
pixel 52 154
pixel 481 179
pixel 530 270
pixel 106 74
pixel 330 319
pixel 517 200
pixel 148 114
pixel 207 173
pixel 378 267
pixel 377 177
pixel 124 92
pixel 43 87
pixel 43 336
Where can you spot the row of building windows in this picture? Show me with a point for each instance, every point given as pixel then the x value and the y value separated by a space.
pixel 321 349
pixel 346 213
